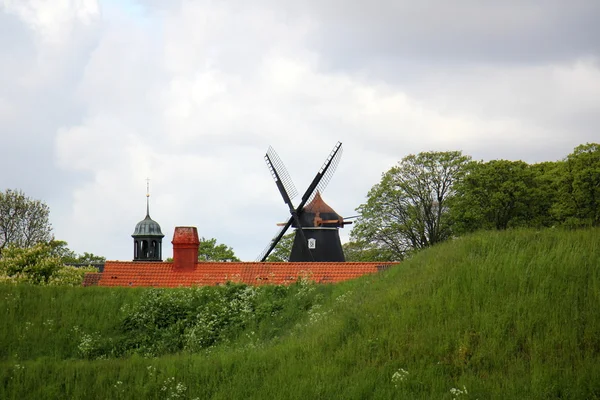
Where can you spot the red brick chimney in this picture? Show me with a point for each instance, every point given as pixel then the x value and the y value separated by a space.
pixel 185 247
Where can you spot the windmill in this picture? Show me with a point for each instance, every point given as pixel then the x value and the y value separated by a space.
pixel 317 236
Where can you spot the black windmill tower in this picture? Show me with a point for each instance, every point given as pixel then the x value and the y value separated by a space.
pixel 147 236
pixel 317 225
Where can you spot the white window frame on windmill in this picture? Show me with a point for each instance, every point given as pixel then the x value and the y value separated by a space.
pixel 312 243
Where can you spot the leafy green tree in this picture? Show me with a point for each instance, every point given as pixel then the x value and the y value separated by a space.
pixel 497 194
pixel 281 252
pixel 67 256
pixel 546 180
pixel 408 209
pixel 89 258
pixel 366 252
pixel 209 250
pixel 502 194
pixel 59 249
pixel 578 198
pixel 38 265
pixel 23 221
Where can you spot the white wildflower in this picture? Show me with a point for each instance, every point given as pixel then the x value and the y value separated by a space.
pixel 456 392
pixel 399 376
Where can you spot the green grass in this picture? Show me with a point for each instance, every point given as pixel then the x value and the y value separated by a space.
pixel 509 315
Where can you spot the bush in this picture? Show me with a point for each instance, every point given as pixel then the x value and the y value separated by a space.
pixel 39 266
pixel 166 321
pixel 198 318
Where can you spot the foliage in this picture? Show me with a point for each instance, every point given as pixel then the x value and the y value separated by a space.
pixel 23 221
pixel 34 264
pixel 88 258
pixel 579 187
pixel 68 256
pixel 363 251
pixel 498 194
pixel 193 319
pixel 38 265
pixel 546 185
pixel 209 250
pixel 167 321
pixel 475 317
pixel 68 275
pixel 281 252
pixel 408 209
pixel 502 194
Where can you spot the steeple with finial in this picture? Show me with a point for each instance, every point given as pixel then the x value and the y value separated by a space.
pixel 148 197
pixel 147 236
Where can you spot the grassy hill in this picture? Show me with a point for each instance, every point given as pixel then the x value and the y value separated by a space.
pixel 508 315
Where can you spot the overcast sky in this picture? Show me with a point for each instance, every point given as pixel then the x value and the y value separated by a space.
pixel 96 96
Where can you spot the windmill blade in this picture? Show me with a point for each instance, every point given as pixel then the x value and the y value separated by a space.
pixel 275 166
pixel 328 168
pixel 265 253
pixel 300 231
pixel 323 177
pixel 280 174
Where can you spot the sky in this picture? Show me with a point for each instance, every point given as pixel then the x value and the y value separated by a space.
pixel 96 96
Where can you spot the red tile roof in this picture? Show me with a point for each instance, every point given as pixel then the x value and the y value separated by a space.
pixel 91 279
pixel 163 274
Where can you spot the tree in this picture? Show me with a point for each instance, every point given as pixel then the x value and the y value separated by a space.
pixel 38 265
pixel 67 256
pixel 578 198
pixel 366 252
pixel 497 194
pixel 23 221
pixel 546 179
pixel 89 258
pixel 281 252
pixel 209 250
pixel 408 209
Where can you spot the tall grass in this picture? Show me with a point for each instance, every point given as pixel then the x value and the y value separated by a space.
pixel 508 315
pixel 48 321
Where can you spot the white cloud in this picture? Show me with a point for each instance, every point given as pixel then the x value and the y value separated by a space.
pixel 52 21
pixel 192 96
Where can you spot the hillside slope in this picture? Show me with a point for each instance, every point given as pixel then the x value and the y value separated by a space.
pixel 492 315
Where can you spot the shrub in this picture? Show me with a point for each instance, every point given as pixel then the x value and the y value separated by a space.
pixel 39 266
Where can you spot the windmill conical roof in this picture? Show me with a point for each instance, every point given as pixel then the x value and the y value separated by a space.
pixel 318 205
pixel 318 210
